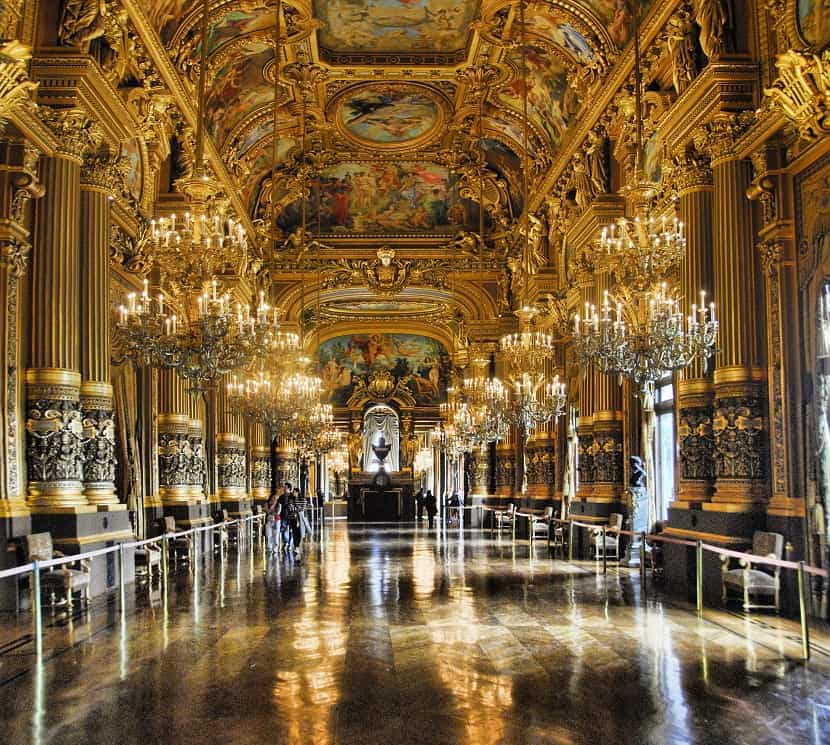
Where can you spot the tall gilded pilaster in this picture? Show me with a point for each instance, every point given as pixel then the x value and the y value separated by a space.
pixel 607 429
pixel 101 180
pixel 692 177
pixel 260 464
pixel 196 439
pixel 55 449
pixel 231 459
pixel 739 424
pixel 506 453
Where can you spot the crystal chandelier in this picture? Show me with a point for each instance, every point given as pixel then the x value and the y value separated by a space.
pixel 645 336
pixel 275 402
pixel 487 401
pixel 528 351
pixel 535 402
pixel 641 332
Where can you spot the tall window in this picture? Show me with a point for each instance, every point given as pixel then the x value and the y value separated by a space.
pixel 664 447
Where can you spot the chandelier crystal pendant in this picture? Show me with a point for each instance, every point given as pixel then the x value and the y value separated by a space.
pixel 487 401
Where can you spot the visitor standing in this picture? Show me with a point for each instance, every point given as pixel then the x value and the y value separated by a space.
pixel 432 508
pixel 419 504
pixel 282 523
pixel 294 514
pixel 272 522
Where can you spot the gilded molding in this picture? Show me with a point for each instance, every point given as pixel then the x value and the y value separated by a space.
pixel 802 92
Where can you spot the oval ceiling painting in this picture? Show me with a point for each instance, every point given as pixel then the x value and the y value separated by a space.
pixel 389 116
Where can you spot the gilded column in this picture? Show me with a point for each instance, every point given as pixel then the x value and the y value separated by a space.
pixel 100 180
pixel 55 443
pixel 174 451
pixel 195 437
pixel 607 424
pixel 506 450
pixel 231 459
pixel 585 420
pixel 260 464
pixel 739 424
pixel 695 394
pixel 18 182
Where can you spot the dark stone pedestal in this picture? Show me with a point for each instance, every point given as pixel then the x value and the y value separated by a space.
pixel 370 502
pixel 12 529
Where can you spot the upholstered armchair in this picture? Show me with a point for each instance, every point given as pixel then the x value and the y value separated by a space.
pixel 610 548
pixel 506 519
pixel 147 558
pixel 67 578
pixel 763 581
pixel 540 524
pixel 181 545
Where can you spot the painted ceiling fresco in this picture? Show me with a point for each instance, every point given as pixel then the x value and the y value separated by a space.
pixel 388 114
pixel 551 103
pixel 814 21
pixel 423 359
pixel 394 25
pixel 401 192
pixel 237 89
pixel 385 198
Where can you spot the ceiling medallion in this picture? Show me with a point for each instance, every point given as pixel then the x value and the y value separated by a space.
pixel 389 116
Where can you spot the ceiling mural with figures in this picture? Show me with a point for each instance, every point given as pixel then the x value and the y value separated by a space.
pixel 423 362
pixel 391 122
pixel 394 25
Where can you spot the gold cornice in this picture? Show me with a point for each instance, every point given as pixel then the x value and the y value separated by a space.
pixel 170 77
pixel 727 85
pixel 602 212
pixel 71 78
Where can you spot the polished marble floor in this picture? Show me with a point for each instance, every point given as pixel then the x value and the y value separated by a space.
pixel 387 635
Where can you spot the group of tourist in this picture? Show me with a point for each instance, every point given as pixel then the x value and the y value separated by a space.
pixel 287 522
pixel 426 501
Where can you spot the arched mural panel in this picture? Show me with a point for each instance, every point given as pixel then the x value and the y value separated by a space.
pixel 422 360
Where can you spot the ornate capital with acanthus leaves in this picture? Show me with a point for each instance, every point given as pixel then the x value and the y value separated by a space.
pixel 691 171
pixel 802 92
pixel 76 132
pixel 105 172
pixel 717 139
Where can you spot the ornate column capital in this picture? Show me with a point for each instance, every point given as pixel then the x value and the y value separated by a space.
pixel 104 172
pixel 718 138
pixel 75 131
pixel 691 171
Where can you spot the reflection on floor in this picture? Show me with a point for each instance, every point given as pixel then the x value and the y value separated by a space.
pixel 395 635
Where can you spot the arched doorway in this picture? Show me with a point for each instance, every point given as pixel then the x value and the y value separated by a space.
pixel 381 421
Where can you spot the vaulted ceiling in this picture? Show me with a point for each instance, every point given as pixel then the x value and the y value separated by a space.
pixel 391 95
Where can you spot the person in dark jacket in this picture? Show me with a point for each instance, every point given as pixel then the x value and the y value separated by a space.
pixel 431 506
pixel 419 504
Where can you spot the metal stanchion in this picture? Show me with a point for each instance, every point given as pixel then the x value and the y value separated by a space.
pixel 643 580
pixel 165 560
pixel 37 609
pixel 699 576
pixel 802 609
pixel 122 586
pixel 570 541
pixel 604 551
